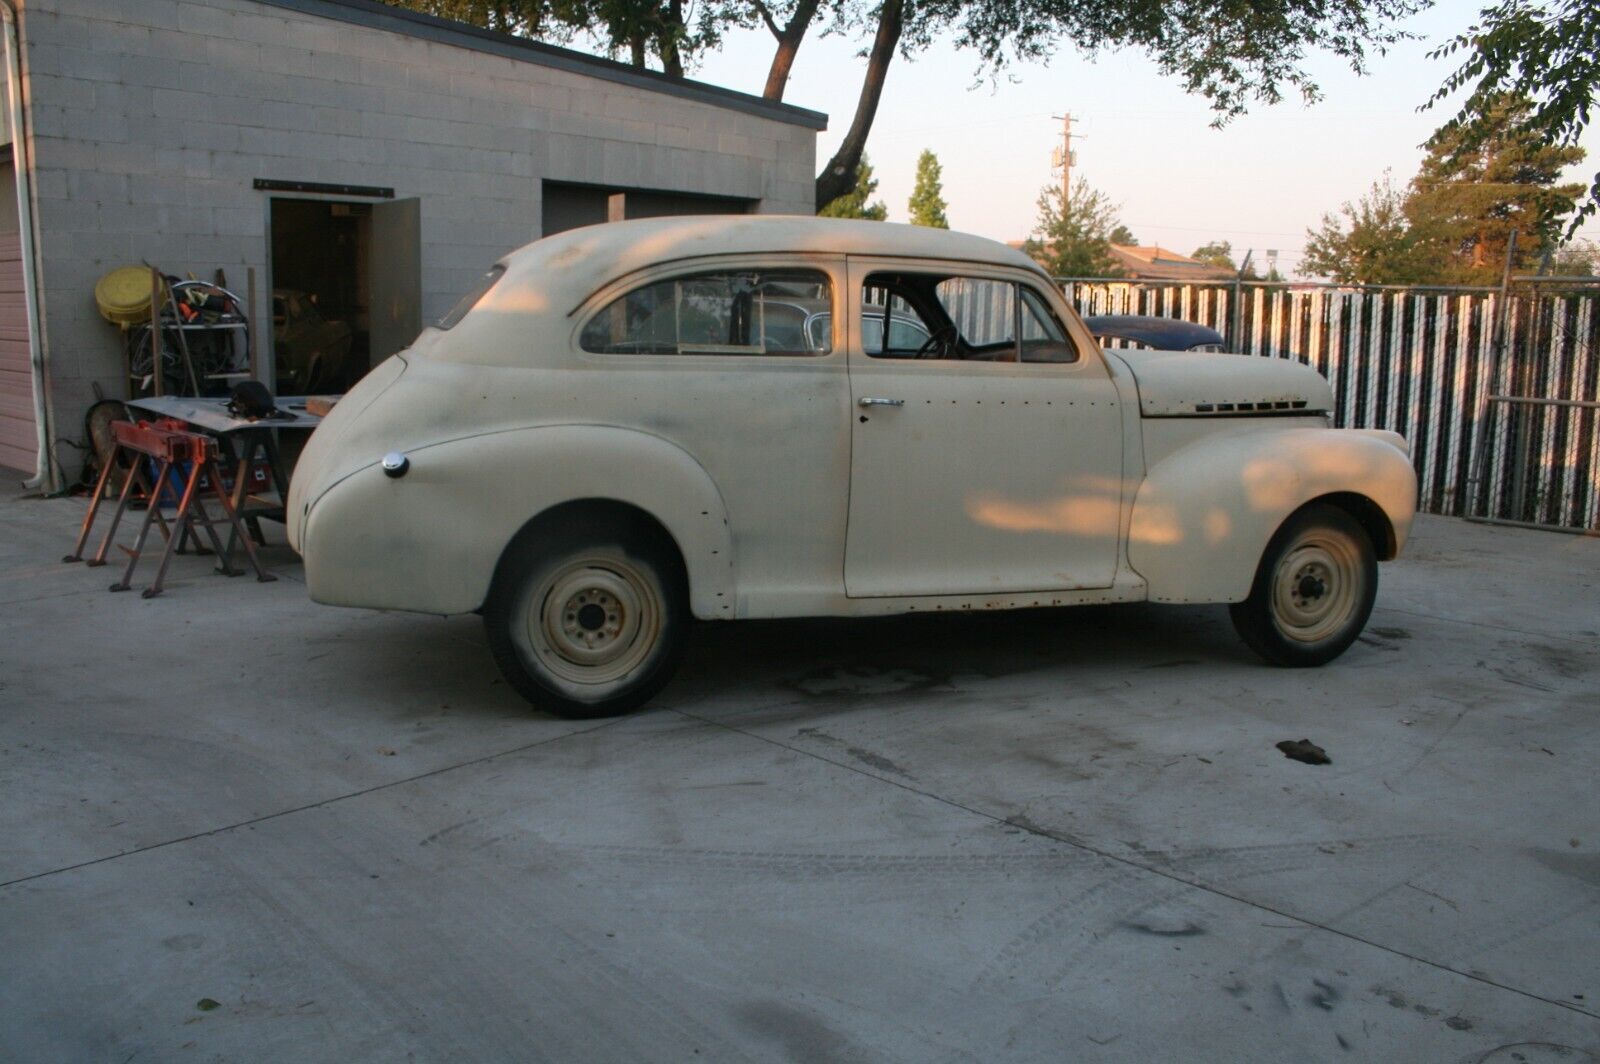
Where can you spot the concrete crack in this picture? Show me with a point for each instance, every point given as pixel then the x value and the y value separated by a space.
pixel 323 803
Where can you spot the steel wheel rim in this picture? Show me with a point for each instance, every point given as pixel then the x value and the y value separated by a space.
pixel 593 621
pixel 1316 587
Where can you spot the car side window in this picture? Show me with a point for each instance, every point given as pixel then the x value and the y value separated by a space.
pixel 1043 337
pixel 952 317
pixel 907 332
pixel 720 312
pixel 984 313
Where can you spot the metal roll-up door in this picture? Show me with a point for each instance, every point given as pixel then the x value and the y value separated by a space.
pixel 18 435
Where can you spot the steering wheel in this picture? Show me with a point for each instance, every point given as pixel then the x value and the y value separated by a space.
pixel 939 344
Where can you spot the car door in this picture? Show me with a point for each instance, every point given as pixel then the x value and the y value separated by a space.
pixel 711 354
pixel 986 461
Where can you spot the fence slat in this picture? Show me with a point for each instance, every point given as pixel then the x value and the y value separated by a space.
pixel 1423 362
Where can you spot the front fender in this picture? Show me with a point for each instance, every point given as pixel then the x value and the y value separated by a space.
pixel 429 541
pixel 1204 515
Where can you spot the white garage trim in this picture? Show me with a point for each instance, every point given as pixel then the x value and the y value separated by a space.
pixel 46 475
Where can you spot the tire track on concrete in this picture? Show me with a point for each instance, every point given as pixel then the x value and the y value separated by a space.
pixel 1152 868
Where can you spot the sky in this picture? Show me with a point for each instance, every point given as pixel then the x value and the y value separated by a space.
pixel 1260 182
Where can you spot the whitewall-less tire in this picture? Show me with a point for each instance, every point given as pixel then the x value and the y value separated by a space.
pixel 1313 590
pixel 587 629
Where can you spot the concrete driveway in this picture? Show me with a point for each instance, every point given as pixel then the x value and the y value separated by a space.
pixel 238 826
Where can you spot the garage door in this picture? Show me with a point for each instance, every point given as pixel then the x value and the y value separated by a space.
pixel 18 438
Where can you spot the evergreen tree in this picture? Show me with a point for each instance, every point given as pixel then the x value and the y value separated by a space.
pixel 927 198
pixel 1466 199
pixel 853 204
pixel 1073 238
pixel 1124 236
pixel 1543 51
pixel 1452 223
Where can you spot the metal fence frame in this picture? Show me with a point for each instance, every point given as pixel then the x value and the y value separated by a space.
pixel 1507 374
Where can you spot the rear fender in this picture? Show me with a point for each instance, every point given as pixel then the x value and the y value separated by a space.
pixel 1205 514
pixel 431 539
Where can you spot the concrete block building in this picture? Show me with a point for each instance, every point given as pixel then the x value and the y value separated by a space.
pixel 370 159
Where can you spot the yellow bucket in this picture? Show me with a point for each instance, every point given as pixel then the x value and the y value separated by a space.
pixel 123 295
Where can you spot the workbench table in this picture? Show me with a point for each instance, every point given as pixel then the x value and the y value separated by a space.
pixel 248 440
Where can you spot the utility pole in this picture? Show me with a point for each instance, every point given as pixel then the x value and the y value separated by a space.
pixel 1064 157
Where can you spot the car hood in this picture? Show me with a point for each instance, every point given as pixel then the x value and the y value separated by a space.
pixel 1190 384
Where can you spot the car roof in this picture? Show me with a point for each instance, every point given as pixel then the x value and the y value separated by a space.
pixel 1162 333
pixel 571 266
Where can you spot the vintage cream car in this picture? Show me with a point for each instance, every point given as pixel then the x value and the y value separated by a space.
pixel 631 425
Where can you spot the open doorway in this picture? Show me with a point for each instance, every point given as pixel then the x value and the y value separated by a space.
pixel 346 284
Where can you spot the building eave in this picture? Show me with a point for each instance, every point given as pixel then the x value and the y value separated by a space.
pixel 375 15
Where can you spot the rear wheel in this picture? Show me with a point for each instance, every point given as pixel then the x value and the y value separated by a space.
pixel 585 625
pixel 1313 590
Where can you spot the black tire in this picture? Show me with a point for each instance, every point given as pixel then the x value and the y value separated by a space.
pixel 587 621
pixel 1313 590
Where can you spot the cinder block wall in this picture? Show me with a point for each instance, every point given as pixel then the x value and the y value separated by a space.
pixel 151 119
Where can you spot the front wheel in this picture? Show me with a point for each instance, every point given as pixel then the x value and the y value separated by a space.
pixel 1313 590
pixel 587 629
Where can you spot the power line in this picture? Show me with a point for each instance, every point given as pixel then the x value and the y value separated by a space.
pixel 1214 228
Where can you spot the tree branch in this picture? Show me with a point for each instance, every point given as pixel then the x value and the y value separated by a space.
pixel 839 176
pixel 788 44
pixel 766 16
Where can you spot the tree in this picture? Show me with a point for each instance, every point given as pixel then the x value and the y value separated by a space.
pixel 1369 241
pixel 839 173
pixel 1216 253
pixel 1073 239
pixel 520 18
pixel 1577 258
pixel 1477 185
pixel 637 28
pixel 1124 236
pixel 1452 223
pixel 927 198
pixel 1548 54
pixel 853 204
pixel 1231 54
pixel 796 20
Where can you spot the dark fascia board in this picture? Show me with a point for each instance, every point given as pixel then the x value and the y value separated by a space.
pixel 375 15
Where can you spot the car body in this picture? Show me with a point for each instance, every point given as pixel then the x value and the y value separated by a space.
pixel 607 438
pixel 1161 334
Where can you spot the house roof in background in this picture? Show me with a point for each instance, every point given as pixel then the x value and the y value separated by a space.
pixel 1156 263
pixel 375 15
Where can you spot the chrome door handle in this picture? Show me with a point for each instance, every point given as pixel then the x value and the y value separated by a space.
pixel 867 400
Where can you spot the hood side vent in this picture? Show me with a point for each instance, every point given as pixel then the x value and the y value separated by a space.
pixel 1250 408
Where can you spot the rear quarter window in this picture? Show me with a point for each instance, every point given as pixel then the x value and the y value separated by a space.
pixel 717 312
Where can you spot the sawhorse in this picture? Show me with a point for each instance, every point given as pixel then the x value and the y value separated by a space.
pixel 167 442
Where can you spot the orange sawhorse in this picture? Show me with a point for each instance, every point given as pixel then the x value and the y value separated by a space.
pixel 167 441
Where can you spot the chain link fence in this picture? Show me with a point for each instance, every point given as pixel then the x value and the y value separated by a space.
pixel 1496 389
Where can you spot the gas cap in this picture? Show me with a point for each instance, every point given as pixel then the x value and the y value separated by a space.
pixel 395 464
